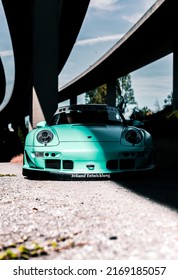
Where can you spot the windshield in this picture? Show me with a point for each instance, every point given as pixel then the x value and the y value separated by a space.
pixel 87 115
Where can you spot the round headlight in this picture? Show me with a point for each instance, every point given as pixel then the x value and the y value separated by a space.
pixel 133 136
pixel 45 136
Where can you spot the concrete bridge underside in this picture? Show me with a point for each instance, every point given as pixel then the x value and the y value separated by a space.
pixel 43 38
pixel 151 38
pixel 43 34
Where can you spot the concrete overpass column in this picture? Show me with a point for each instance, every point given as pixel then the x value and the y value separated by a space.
pixel 45 57
pixel 175 76
pixel 111 92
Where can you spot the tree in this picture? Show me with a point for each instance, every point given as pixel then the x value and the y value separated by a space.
pixel 140 114
pixel 168 100
pixel 97 95
pixel 146 111
pixel 124 93
pixel 158 108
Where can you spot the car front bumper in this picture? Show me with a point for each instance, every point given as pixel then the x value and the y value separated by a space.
pixel 94 162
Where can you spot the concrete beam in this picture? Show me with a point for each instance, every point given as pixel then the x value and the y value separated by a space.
pixel 111 92
pixel 45 55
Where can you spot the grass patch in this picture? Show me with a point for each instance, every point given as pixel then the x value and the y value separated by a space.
pixel 8 175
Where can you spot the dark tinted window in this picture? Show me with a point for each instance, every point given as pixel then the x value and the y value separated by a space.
pixel 88 115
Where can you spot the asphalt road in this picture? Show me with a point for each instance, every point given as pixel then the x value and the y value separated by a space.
pixel 133 218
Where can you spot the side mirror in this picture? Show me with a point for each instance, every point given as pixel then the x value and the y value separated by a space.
pixel 138 123
pixel 41 124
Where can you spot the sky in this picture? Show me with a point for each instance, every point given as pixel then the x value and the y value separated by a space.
pixel 105 23
pixel 6 54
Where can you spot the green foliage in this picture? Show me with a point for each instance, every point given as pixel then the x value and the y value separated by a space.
pixel 24 250
pixel 124 92
pixel 168 100
pixel 21 252
pixel 163 123
pixel 21 136
pixel 7 175
pixel 171 115
pixel 97 96
pixel 140 114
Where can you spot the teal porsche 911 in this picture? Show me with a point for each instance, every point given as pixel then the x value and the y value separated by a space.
pixel 87 141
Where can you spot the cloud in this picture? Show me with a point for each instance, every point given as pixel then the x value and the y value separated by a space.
pixel 143 8
pixel 149 3
pixel 133 18
pixel 105 5
pixel 99 39
pixel 6 53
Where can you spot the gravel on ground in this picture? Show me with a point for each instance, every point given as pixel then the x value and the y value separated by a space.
pixel 128 219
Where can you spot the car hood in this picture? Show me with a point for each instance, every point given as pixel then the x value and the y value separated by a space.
pixel 73 133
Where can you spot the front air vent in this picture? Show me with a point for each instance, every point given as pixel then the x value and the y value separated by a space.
pixel 126 164
pixel 51 163
pixel 68 164
pixel 112 164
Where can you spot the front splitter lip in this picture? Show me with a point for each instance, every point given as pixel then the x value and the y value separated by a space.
pixel 58 175
pixel 64 175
